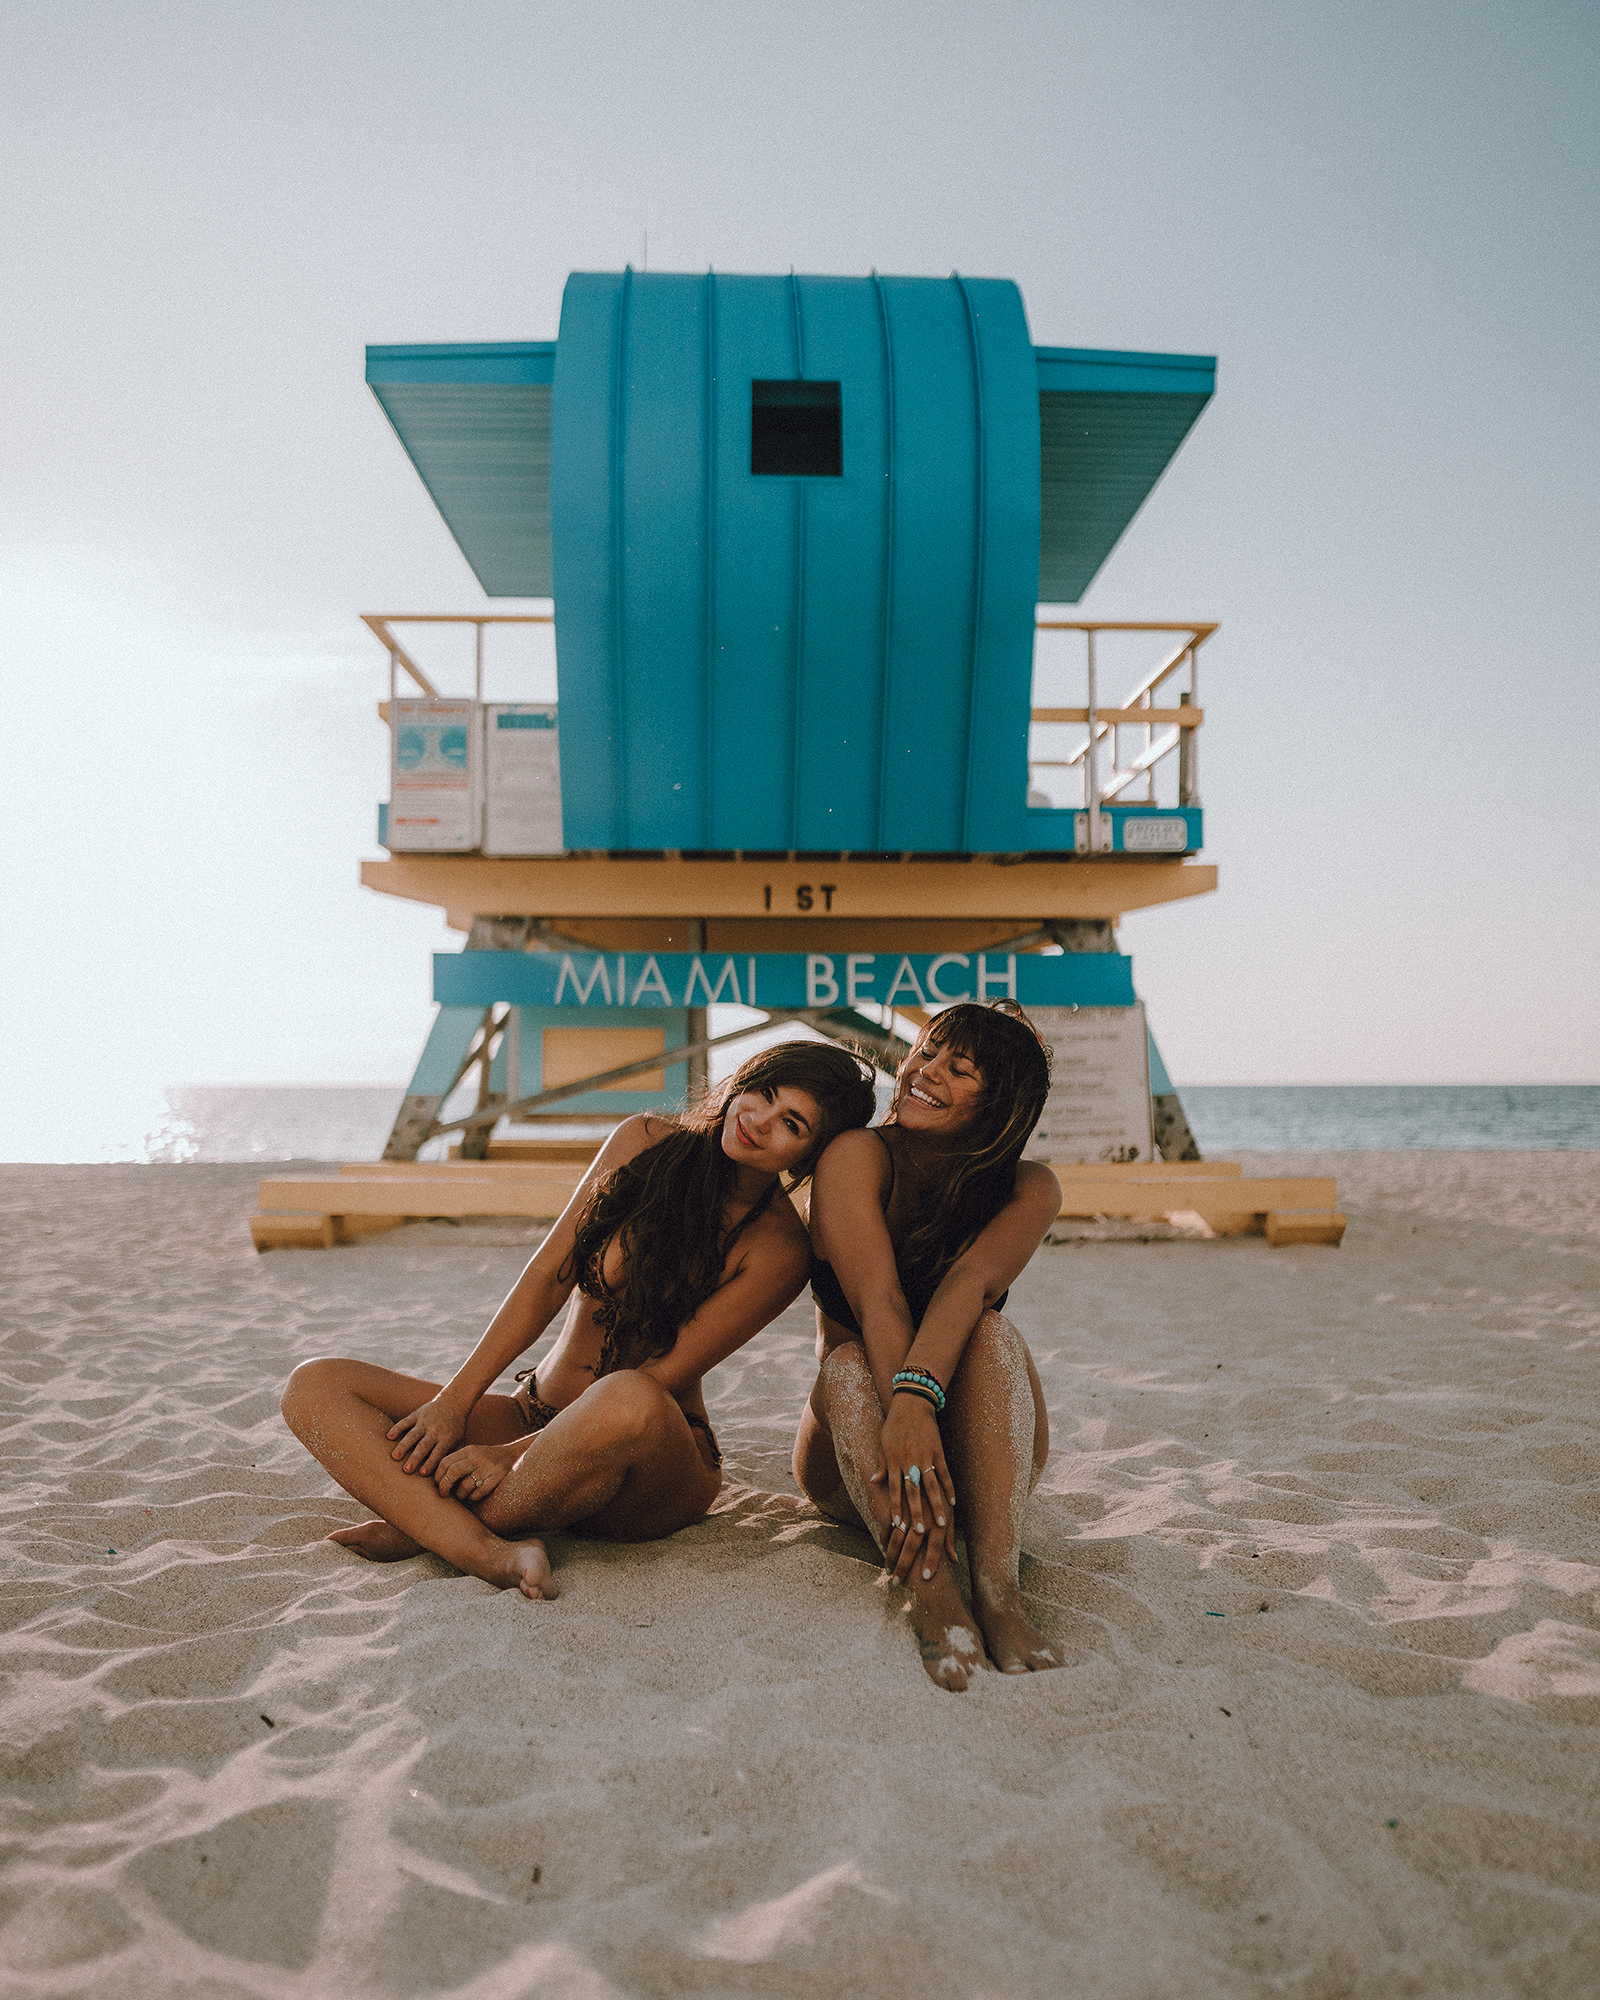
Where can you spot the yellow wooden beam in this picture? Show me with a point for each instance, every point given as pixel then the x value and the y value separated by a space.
pixel 316 1232
pixel 776 895
pixel 476 1194
pixel 1142 1173
pixel 730 934
pixel 1328 1228
pixel 567 1167
pixel 1214 1199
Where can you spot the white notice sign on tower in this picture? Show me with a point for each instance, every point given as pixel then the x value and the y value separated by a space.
pixel 1099 1103
pixel 522 779
pixel 435 762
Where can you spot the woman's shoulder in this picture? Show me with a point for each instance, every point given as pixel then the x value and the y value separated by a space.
pixel 863 1150
pixel 636 1135
pixel 1036 1183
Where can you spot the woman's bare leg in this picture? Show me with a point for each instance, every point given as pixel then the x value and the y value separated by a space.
pixel 835 1455
pixel 342 1412
pixel 998 1436
pixel 621 1462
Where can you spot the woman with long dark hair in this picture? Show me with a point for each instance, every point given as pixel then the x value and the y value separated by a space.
pixel 678 1247
pixel 926 1390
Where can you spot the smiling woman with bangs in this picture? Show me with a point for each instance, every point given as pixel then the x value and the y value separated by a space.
pixel 919 1228
pixel 678 1247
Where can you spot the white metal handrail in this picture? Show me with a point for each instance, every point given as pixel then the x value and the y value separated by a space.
pixel 378 623
pixel 1138 711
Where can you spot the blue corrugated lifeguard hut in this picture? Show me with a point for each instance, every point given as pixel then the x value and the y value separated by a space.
pixel 796 532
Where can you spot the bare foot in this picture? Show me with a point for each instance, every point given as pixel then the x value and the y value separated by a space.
pixel 950 1644
pixel 520 1566
pixel 526 1568
pixel 377 1541
pixel 1015 1646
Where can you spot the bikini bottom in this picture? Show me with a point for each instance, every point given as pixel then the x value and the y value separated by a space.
pixel 699 1424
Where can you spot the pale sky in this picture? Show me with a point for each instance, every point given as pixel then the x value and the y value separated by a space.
pixel 1381 218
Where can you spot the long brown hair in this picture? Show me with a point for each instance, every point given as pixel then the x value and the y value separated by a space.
pixel 665 1207
pixel 1015 1065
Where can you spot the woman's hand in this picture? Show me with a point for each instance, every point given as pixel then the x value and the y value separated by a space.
pixel 472 1473
pixel 427 1434
pixel 922 1509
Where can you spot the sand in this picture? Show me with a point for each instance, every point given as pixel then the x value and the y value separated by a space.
pixel 1319 1537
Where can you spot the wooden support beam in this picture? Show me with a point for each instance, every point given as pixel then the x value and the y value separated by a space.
pixel 777 894
pixel 492 1169
pixel 1220 1201
pixel 316 1232
pixel 831 934
pixel 474 1194
pixel 566 1151
pixel 1305 1227
pixel 1141 1171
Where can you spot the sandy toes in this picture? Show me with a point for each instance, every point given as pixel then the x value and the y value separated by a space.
pixel 950 1643
pixel 1015 1646
pixel 525 1565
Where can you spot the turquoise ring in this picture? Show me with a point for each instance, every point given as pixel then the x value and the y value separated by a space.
pixel 914 1476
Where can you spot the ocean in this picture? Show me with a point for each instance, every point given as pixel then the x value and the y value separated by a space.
pixel 1359 1118
pixel 351 1122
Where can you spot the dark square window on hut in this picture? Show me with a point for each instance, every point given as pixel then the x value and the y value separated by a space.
pixel 795 430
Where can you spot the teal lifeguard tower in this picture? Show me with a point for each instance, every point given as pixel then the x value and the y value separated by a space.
pixel 811 752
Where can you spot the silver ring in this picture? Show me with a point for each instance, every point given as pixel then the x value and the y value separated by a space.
pixel 914 1476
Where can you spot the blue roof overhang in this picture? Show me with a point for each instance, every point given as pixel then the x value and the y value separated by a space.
pixel 474 419
pixel 1109 425
pixel 475 422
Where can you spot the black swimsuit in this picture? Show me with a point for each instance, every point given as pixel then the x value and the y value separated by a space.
pixel 829 1293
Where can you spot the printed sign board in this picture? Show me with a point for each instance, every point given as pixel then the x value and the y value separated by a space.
pixel 435 761
pixel 522 779
pixel 1099 1103
pixel 1102 981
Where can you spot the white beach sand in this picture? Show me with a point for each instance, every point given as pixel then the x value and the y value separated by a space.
pixel 239 1761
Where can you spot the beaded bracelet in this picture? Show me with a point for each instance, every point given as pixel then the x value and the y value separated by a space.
pixel 909 1374
pixel 918 1382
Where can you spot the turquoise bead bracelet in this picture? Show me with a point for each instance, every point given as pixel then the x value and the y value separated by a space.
pixel 921 1383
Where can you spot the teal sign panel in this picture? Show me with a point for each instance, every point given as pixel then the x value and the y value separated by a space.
pixel 647 980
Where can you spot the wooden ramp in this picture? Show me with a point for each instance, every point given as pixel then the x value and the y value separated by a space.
pixel 534 1180
pixel 367 1196
pixel 1284 1211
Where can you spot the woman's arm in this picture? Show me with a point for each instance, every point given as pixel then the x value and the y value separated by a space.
pixel 849 1231
pixel 990 1265
pixel 774 1262
pixel 428 1433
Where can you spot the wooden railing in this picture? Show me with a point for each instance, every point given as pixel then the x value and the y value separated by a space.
pixel 378 623
pixel 1138 712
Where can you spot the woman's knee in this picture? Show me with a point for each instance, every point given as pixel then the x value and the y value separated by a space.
pixel 994 1327
pixel 844 1372
pixel 994 1339
pixel 309 1384
pixel 627 1405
